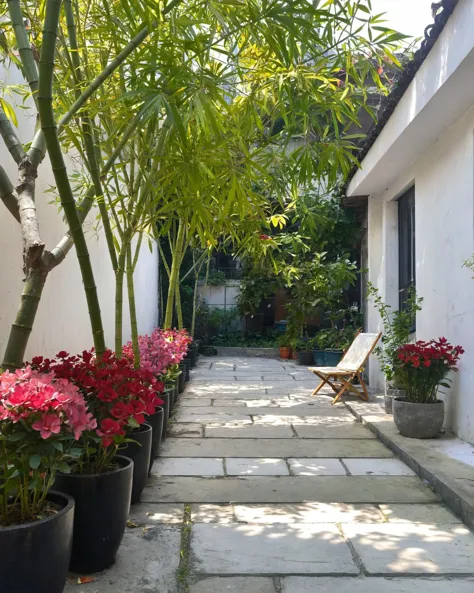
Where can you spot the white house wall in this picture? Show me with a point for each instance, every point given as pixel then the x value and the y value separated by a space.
pixel 62 321
pixel 444 231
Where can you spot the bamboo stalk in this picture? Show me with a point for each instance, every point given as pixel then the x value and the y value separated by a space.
pixel 87 136
pixel 8 194
pixel 119 274
pixel 132 307
pixel 179 309
pixel 24 46
pixel 49 128
pixel 174 275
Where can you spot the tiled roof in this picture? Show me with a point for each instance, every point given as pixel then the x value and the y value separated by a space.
pixel 441 11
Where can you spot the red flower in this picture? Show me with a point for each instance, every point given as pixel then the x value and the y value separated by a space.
pixel 264 237
pixel 108 430
pixel 121 410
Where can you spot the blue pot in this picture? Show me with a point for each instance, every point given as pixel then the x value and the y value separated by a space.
pixel 319 357
pixel 333 357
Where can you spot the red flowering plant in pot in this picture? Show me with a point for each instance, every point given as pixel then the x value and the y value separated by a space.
pixel 42 419
pixel 422 368
pixel 119 398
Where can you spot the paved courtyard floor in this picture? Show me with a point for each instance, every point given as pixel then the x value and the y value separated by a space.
pixel 261 488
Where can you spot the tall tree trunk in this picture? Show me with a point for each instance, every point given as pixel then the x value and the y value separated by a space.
pixel 177 256
pixel 132 308
pixel 48 125
pixel 119 274
pixel 179 309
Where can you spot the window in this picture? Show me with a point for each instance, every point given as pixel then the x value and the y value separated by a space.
pixel 406 245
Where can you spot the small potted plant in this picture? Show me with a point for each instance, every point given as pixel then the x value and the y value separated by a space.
pixel 422 368
pixel 41 419
pixel 397 329
pixel 284 346
pixel 305 351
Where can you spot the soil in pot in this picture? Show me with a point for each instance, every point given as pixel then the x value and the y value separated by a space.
pixel 101 513
pixel 139 451
pixel 34 557
pixel 181 377
pixel 285 352
pixel 305 358
pixel 319 358
pixel 418 421
pixel 156 421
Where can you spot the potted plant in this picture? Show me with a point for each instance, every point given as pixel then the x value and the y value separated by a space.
pixel 41 419
pixel 284 346
pixel 100 480
pixel 137 447
pixel 305 351
pixel 397 328
pixel 421 369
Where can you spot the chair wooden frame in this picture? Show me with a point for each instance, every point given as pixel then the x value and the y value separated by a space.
pixel 344 377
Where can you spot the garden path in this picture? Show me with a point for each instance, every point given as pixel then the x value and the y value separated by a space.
pixel 261 488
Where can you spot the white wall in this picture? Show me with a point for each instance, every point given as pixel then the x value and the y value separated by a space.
pixel 444 228
pixel 62 321
pixel 223 296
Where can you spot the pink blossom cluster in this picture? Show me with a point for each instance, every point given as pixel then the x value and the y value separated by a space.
pixel 161 350
pixel 44 403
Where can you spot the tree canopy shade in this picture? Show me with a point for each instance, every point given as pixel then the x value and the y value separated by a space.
pixel 178 110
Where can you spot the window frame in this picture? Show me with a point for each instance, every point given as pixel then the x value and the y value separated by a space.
pixel 406 245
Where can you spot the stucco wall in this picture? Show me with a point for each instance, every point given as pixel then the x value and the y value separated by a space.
pixel 444 198
pixel 62 321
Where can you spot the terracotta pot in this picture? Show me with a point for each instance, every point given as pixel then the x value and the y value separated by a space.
pixel 285 352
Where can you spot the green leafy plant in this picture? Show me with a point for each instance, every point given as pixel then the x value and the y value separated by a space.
pixel 397 328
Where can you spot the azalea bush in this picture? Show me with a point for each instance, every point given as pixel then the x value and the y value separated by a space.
pixel 424 366
pixel 161 350
pixel 42 418
pixel 118 396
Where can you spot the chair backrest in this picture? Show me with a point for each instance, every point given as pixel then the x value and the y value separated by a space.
pixel 359 351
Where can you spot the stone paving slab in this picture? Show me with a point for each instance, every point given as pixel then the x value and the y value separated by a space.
pixel 188 466
pixel 276 549
pixel 434 514
pixel 378 467
pixel 373 585
pixel 308 512
pixel 147 562
pixel 255 410
pixel 259 489
pixel 342 430
pixel 249 432
pixel 316 467
pixel 413 548
pixel 214 417
pixel 185 430
pixel 337 419
pixel 194 402
pixel 284 448
pixel 212 513
pixel 234 585
pixel 263 466
pixel 153 513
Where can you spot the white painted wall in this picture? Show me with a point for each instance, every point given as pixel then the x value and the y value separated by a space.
pixel 444 203
pixel 62 321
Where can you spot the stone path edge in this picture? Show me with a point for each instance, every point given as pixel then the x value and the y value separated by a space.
pixel 458 501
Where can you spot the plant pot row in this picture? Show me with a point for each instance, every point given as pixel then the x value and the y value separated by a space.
pixel 321 358
pixel 89 513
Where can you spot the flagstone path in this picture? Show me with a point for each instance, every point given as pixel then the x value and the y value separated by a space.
pixel 261 488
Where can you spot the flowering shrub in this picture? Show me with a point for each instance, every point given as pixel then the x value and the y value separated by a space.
pixel 41 417
pixel 161 350
pixel 119 398
pixel 424 366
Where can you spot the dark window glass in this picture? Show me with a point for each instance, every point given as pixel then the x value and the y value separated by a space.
pixel 406 244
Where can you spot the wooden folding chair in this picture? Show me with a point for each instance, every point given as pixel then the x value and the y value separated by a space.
pixel 350 367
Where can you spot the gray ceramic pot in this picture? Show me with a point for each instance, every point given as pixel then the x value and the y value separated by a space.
pixel 418 421
pixel 390 394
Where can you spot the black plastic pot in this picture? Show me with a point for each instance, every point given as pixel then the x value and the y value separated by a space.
pixel 102 507
pixel 193 354
pixel 175 391
pixel 34 557
pixel 170 389
pixel 139 452
pixel 156 421
pixel 181 377
pixel 166 397
pixel 306 358
pixel 187 366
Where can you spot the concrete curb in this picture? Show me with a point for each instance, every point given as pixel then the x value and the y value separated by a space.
pixel 450 478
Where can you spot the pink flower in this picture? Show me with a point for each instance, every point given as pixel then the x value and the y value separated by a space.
pixel 47 425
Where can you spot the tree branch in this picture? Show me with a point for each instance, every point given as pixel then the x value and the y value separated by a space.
pixel 10 138
pixel 8 194
pixel 33 246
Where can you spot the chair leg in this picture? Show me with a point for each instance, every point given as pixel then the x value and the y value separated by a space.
pixel 364 386
pixel 341 392
pixel 320 386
